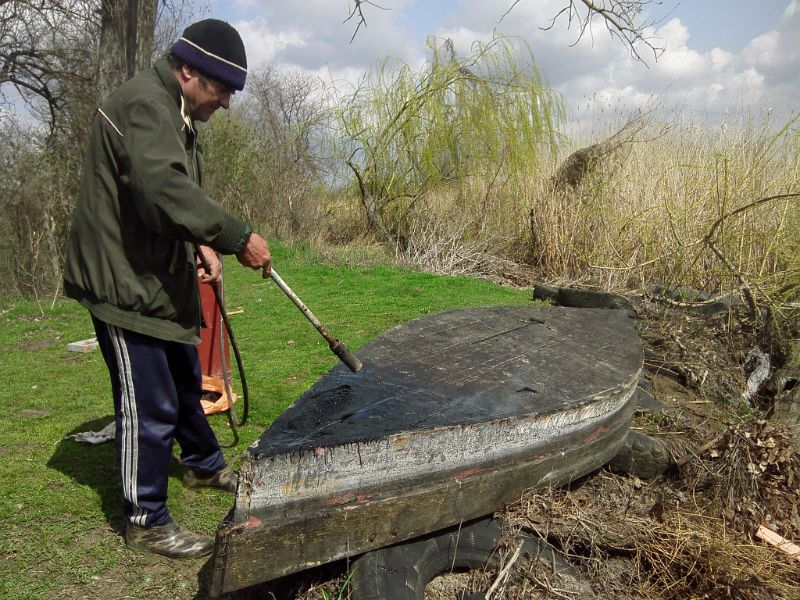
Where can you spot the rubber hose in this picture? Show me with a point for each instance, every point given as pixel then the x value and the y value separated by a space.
pixel 226 378
pixel 245 394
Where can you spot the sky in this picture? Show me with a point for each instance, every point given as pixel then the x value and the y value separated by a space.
pixel 721 57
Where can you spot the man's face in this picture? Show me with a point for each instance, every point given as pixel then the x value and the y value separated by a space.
pixel 204 96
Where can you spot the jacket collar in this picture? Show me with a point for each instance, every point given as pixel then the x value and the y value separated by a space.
pixel 164 72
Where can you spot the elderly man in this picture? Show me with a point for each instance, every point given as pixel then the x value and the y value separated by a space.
pixel 131 261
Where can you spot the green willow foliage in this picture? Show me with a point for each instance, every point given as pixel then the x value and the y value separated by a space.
pixel 410 132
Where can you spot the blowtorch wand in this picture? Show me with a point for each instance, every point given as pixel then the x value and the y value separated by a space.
pixel 336 346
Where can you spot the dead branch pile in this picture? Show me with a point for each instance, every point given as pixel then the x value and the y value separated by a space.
pixel 636 540
pixel 751 476
pixel 703 353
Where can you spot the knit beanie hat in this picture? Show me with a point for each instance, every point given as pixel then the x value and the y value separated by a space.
pixel 214 48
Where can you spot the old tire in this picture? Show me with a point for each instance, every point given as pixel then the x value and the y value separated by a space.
pixel 642 456
pixel 402 571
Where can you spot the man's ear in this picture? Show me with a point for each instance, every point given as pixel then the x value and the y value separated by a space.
pixel 185 73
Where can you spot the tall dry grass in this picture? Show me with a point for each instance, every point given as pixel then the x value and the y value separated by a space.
pixel 680 203
pixel 649 220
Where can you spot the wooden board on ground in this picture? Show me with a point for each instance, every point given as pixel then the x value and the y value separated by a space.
pixel 83 345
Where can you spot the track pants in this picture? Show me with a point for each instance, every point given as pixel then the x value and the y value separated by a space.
pixel 157 389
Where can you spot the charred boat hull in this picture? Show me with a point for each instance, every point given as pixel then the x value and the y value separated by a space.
pixel 453 416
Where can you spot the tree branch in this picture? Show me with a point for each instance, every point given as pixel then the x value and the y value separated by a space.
pixel 358 10
pixel 621 18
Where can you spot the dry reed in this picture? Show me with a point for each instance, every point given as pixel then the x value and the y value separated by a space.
pixel 678 207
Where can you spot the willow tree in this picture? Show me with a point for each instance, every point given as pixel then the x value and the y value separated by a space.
pixel 408 132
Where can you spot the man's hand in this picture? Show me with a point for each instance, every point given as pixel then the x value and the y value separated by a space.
pixel 255 254
pixel 210 258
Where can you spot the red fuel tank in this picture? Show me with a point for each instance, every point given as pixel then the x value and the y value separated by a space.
pixel 214 352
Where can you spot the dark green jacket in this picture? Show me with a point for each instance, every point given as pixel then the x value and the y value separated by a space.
pixel 130 256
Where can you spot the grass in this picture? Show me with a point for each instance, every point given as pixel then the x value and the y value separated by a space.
pixel 61 500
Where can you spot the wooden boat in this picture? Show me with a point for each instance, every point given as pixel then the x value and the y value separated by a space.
pixel 453 416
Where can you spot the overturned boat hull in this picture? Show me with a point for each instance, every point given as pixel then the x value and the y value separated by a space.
pixel 453 416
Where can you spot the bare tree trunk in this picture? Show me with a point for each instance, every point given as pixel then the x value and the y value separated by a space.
pixel 146 13
pixel 126 41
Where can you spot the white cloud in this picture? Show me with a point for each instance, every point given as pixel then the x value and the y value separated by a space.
pixel 313 33
pixel 791 10
pixel 720 58
pixel 674 34
pixel 595 69
pixel 679 61
pixel 262 45
pixel 764 50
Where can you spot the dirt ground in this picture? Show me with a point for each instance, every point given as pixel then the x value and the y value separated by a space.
pixel 688 533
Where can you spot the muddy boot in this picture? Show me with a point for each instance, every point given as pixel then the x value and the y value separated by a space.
pixel 224 479
pixel 168 540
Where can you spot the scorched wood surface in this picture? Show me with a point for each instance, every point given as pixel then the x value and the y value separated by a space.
pixel 462 367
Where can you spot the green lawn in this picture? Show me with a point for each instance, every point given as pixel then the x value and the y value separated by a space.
pixel 60 500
